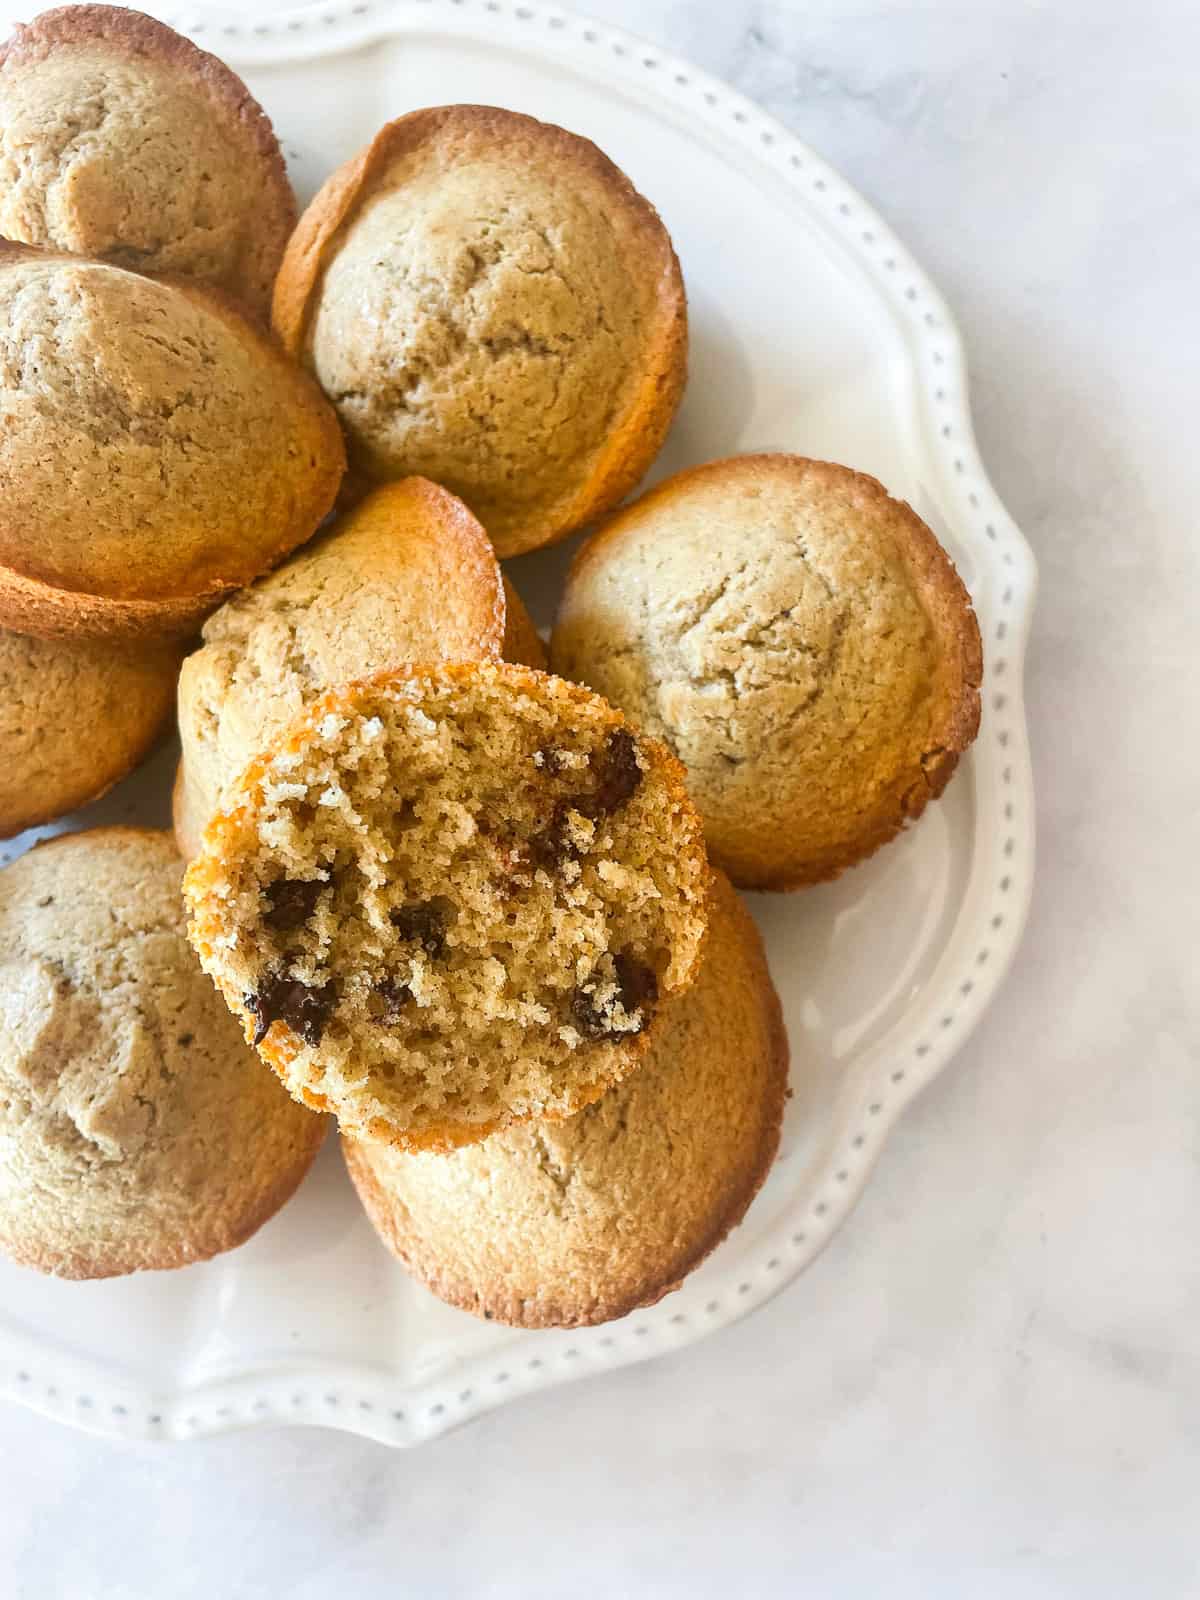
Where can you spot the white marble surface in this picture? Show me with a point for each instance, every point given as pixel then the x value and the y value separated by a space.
pixel 990 1384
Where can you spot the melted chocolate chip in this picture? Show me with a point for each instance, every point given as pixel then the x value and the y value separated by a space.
pixel 290 902
pixel 423 922
pixel 306 1010
pixel 637 991
pixel 185 1039
pixel 619 775
pixel 552 845
pixel 395 995
pixel 639 986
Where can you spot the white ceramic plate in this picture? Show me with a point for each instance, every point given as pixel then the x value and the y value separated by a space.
pixel 812 330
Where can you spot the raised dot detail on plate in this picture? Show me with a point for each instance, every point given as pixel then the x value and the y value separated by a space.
pixel 437 1410
pixel 773 1264
pixel 744 1288
pixel 712 1308
pixel 820 1208
pixel 465 1397
pixel 798 1239
pixel 397 1416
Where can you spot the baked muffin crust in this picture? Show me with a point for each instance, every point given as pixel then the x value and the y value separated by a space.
pixel 137 1130
pixel 119 139
pixel 571 1223
pixel 488 301
pixel 800 640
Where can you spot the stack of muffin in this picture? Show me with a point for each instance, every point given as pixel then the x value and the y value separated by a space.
pixel 461 904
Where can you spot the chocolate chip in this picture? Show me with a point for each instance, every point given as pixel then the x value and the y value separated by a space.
pixel 549 760
pixel 638 984
pixel 619 774
pixel 637 991
pixel 185 1039
pixel 552 845
pixel 395 995
pixel 423 922
pixel 305 1009
pixel 290 902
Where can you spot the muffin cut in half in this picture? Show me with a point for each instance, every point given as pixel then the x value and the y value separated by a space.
pixel 158 449
pixel 800 640
pixel 137 1130
pixel 451 898
pixel 75 716
pixel 120 139
pixel 488 300
pixel 408 576
pixel 561 1225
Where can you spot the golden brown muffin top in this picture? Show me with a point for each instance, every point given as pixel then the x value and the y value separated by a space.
pixel 800 640
pixel 138 1129
pixel 571 1223
pixel 488 301
pixel 120 139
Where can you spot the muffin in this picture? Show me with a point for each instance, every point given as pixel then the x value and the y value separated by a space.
pixel 565 1224
pixel 75 716
pixel 488 301
pixel 120 140
pixel 137 1130
pixel 408 576
pixel 156 450
pixel 450 898
pixel 799 639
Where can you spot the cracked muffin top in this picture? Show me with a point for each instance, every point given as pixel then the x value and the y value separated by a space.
pixel 407 576
pixel 119 139
pixel 452 897
pixel 489 302
pixel 799 639
pixel 137 1129
pixel 157 450
pixel 572 1223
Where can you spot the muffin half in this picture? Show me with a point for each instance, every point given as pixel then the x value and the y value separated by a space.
pixel 452 898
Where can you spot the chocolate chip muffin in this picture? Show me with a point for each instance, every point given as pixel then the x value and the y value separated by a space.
pixel 407 576
pixel 76 715
pixel 120 140
pixel 137 1129
pixel 157 449
pixel 488 301
pixel 558 1225
pixel 452 898
pixel 799 639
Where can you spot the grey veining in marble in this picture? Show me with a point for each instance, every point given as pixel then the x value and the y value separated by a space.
pixel 990 1384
